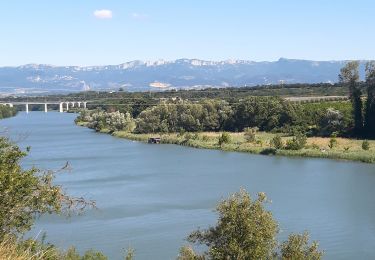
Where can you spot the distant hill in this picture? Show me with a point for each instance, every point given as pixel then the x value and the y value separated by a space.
pixel 162 75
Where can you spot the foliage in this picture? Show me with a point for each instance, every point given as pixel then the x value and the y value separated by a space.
pixel 349 75
pixel 187 253
pixel 246 230
pixel 250 134
pixel 366 145
pixel 207 115
pixel 113 121
pixel 14 249
pixel 297 248
pixel 25 194
pixel 332 142
pixel 369 123
pixel 224 138
pixel 331 121
pixel 298 142
pixel 266 113
pixel 276 142
pixel 6 111
pixel 130 254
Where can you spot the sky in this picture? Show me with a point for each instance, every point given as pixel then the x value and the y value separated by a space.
pixel 100 32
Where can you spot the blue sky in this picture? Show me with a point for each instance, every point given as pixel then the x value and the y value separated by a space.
pixel 66 32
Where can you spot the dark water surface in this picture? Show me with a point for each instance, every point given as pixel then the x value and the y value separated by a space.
pixel 151 196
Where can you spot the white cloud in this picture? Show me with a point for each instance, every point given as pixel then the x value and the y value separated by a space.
pixel 103 14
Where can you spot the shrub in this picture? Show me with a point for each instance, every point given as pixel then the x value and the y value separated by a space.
pixel 366 145
pixel 27 194
pixel 331 121
pixel 205 138
pixel 250 134
pixel 245 229
pixel 224 138
pixel 188 136
pixel 297 247
pixel 332 142
pixel 297 143
pixel 276 142
pixel 268 151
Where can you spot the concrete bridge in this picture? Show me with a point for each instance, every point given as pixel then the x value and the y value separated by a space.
pixel 65 105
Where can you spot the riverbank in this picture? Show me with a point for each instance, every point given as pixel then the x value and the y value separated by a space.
pixel 316 147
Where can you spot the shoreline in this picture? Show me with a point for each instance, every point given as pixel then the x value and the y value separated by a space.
pixel 208 140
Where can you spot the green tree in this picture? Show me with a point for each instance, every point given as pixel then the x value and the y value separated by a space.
pixel 370 102
pixel 297 248
pixel 6 111
pixel 276 142
pixel 188 253
pixel 366 145
pixel 26 194
pixel 298 142
pixel 330 122
pixel 349 75
pixel 246 230
pixel 332 141
pixel 224 138
pixel 250 134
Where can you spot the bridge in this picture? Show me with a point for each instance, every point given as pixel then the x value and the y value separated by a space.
pixel 62 105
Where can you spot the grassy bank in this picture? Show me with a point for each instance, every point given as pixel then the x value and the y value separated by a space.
pixel 317 147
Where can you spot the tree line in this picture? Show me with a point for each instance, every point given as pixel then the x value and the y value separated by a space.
pixel 265 113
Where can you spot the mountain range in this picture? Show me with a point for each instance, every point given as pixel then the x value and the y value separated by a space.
pixel 164 75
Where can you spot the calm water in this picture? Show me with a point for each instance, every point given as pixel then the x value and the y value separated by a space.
pixel 151 196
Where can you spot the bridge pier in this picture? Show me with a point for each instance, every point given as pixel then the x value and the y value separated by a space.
pixel 45 108
pixel 67 106
pixel 61 108
pixel 27 108
pixel 84 105
pixel 79 104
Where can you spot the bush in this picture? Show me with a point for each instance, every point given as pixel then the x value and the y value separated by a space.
pixel 277 142
pixel 224 138
pixel 268 151
pixel 250 134
pixel 297 247
pixel 205 138
pixel 27 194
pixel 366 145
pixel 331 121
pixel 297 143
pixel 247 230
pixel 332 142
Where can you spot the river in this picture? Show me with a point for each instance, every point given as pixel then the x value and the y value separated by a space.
pixel 151 196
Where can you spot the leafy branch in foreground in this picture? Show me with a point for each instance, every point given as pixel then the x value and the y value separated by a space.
pixel 27 194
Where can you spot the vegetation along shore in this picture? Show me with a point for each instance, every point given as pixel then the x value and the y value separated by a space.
pixel 317 147
pixel 336 129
